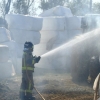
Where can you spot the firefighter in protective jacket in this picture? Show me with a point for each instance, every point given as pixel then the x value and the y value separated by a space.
pixel 28 61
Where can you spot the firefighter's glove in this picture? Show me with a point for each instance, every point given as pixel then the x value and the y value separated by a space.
pixel 37 59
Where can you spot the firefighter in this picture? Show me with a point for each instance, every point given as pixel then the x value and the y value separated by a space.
pixel 28 61
pixel 84 25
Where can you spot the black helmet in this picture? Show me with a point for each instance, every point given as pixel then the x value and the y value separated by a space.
pixel 28 46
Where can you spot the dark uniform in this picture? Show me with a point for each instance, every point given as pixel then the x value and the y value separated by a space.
pixel 28 62
pixel 84 25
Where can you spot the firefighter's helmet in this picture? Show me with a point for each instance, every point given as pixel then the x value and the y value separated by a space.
pixel 28 47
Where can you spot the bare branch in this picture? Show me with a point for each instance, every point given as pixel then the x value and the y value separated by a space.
pixel 3 11
pixel 7 6
pixel 28 3
pixel 31 3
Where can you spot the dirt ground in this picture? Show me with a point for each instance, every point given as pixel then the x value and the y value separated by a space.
pixel 52 86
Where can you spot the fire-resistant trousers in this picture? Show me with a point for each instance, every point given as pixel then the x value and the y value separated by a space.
pixel 26 86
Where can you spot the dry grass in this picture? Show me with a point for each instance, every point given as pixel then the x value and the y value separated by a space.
pixel 52 87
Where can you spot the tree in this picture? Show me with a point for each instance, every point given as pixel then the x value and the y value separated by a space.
pixel 47 4
pixel 5 7
pixel 79 7
pixel 44 5
pixel 96 8
pixel 90 6
pixel 22 6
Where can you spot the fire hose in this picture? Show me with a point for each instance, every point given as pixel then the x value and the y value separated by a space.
pixel 39 94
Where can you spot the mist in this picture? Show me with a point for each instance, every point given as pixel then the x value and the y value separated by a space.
pixel 63 46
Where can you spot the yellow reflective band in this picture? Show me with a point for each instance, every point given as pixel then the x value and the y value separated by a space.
pixel 22 90
pixel 27 68
pixel 33 62
pixel 30 91
pixel 24 61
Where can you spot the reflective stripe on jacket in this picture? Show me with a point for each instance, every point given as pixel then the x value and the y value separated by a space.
pixel 28 62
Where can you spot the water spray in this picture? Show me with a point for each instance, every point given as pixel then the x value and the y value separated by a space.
pixel 73 42
pixel 64 46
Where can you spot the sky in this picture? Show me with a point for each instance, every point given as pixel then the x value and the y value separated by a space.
pixel 96 0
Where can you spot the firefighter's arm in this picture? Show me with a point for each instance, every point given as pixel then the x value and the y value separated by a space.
pixel 36 59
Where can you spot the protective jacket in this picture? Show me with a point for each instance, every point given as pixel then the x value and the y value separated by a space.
pixel 28 62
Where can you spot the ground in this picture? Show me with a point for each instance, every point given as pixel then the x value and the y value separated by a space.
pixel 53 86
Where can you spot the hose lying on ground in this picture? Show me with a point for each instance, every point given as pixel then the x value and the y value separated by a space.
pixel 39 93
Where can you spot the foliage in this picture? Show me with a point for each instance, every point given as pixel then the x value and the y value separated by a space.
pixel 79 7
pixel 44 5
pixel 47 4
pixel 5 7
pixel 96 8
pixel 22 6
